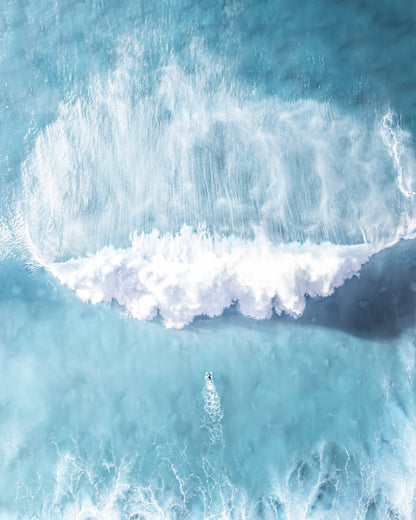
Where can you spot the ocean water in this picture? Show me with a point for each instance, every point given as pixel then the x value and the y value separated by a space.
pixel 194 187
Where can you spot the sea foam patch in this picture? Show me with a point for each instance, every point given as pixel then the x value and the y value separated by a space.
pixel 180 276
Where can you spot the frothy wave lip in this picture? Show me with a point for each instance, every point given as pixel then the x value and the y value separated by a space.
pixel 191 273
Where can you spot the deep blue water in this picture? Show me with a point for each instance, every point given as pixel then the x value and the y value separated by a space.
pixel 193 187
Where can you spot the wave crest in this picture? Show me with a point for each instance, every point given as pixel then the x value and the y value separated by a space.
pixel 191 273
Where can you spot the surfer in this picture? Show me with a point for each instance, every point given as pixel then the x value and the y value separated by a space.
pixel 208 376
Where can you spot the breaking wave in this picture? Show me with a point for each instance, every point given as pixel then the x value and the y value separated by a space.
pixel 180 276
pixel 256 200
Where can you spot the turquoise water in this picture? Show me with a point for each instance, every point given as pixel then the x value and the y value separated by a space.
pixel 193 187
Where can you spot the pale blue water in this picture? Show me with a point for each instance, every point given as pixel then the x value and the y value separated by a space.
pixel 283 120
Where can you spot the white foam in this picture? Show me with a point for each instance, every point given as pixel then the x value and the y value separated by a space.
pixel 180 276
pixel 201 147
pixel 397 142
pixel 213 413
pixel 5 239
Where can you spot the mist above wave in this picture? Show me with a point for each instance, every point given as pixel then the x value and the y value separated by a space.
pixel 159 149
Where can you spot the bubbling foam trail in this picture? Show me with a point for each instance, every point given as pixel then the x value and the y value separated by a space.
pixel 213 412
pixel 181 276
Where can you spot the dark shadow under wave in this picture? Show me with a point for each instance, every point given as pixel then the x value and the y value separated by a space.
pixel 379 304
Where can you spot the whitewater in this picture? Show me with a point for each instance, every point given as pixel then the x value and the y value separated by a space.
pixel 190 274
